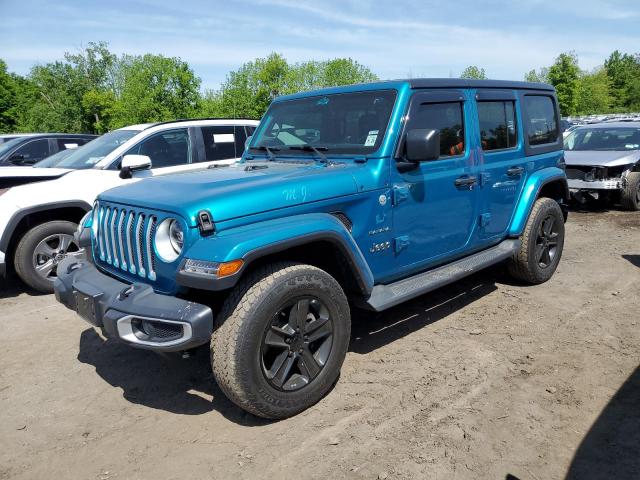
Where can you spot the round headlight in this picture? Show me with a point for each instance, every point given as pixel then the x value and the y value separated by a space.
pixel 176 236
pixel 169 239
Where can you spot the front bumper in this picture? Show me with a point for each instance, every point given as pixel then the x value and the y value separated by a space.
pixel 132 313
pixel 607 184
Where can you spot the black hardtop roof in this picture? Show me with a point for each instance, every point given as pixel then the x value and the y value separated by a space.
pixel 468 83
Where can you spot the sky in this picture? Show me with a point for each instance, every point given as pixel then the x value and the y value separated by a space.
pixel 396 39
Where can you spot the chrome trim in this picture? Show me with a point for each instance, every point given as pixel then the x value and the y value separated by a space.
pixel 105 231
pixel 147 237
pixel 125 331
pixel 112 231
pixel 132 266
pixel 100 233
pixel 123 254
pixel 141 271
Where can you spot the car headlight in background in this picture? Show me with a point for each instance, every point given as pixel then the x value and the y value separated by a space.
pixel 169 239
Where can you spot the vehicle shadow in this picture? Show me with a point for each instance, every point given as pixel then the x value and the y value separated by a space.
pixel 611 449
pixel 183 386
pixel 12 287
pixel 164 382
pixel 371 330
pixel 633 259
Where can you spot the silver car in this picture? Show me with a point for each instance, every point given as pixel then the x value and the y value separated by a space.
pixel 603 163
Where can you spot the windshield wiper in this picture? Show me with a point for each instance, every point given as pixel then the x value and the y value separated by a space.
pixel 310 148
pixel 269 150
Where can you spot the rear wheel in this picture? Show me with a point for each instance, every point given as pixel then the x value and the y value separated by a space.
pixel 542 243
pixel 40 251
pixel 630 196
pixel 282 339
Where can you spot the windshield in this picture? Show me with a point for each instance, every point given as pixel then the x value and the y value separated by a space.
pixel 53 160
pixel 603 139
pixel 345 123
pixel 6 146
pixel 94 151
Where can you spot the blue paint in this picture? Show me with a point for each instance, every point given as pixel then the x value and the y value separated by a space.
pixel 403 222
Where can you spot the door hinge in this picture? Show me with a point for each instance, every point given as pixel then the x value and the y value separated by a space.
pixel 400 193
pixel 400 243
pixel 485 218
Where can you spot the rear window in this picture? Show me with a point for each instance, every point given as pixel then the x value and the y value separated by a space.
pixel 497 125
pixel 542 125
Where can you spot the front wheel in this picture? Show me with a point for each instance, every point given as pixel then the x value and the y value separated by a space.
pixel 282 338
pixel 542 243
pixel 40 251
pixel 630 196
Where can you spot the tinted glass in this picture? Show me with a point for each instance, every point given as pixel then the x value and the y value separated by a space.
pixel 8 145
pixel 541 118
pixel 241 138
pixel 353 123
pixel 65 143
pixel 219 142
pixel 33 151
pixel 55 159
pixel 166 149
pixel 445 117
pixel 96 150
pixel 602 139
pixel 497 125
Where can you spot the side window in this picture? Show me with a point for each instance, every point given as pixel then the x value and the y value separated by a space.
pixel 33 151
pixel 542 126
pixel 65 143
pixel 497 125
pixel 219 142
pixel 445 117
pixel 166 149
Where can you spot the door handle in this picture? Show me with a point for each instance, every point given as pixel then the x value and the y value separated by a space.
pixel 466 181
pixel 515 171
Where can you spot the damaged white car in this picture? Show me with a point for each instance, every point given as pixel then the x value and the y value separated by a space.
pixel 603 163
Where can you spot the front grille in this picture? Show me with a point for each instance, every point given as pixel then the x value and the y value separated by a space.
pixel 125 240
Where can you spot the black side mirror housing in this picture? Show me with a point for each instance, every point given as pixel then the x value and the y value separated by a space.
pixel 422 145
pixel 17 159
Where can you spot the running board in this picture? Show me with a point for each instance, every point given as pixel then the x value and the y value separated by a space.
pixel 386 296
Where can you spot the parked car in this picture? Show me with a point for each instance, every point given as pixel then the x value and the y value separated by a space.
pixel 5 137
pixel 40 207
pixel 29 149
pixel 603 163
pixel 365 195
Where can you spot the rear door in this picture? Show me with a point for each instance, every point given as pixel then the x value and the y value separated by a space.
pixel 503 165
pixel 221 143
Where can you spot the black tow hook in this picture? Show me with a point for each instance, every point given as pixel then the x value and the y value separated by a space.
pixel 125 292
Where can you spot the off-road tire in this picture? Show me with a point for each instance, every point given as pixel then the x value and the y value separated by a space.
pixel 240 327
pixel 629 195
pixel 524 265
pixel 23 258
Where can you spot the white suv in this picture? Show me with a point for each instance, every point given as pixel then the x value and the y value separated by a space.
pixel 40 208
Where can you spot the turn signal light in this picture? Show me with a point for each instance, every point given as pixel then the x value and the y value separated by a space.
pixel 229 268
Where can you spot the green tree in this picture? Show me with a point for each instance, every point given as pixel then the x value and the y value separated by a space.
pixel 473 72
pixel 594 92
pixel 623 71
pixel 7 99
pixel 154 88
pixel 564 75
pixel 541 76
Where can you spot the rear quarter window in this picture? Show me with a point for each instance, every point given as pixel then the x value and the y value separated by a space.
pixel 541 120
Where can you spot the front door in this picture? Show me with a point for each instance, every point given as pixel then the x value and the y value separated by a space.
pixel 434 204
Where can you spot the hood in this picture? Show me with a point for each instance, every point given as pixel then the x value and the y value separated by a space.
pixel 239 189
pixel 14 176
pixel 595 158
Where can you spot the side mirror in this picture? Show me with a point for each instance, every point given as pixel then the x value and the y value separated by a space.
pixel 422 145
pixel 132 163
pixel 247 142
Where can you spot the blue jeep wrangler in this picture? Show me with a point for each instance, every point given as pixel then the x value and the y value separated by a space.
pixel 365 195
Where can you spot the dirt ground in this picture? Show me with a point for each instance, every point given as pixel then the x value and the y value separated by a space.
pixel 484 379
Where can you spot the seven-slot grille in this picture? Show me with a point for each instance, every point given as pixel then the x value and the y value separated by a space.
pixel 125 240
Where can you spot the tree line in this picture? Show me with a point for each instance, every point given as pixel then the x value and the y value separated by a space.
pixel 613 87
pixel 95 90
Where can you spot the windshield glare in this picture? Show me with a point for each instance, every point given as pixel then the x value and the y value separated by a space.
pixel 603 139
pixel 94 151
pixel 345 123
pixel 53 160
